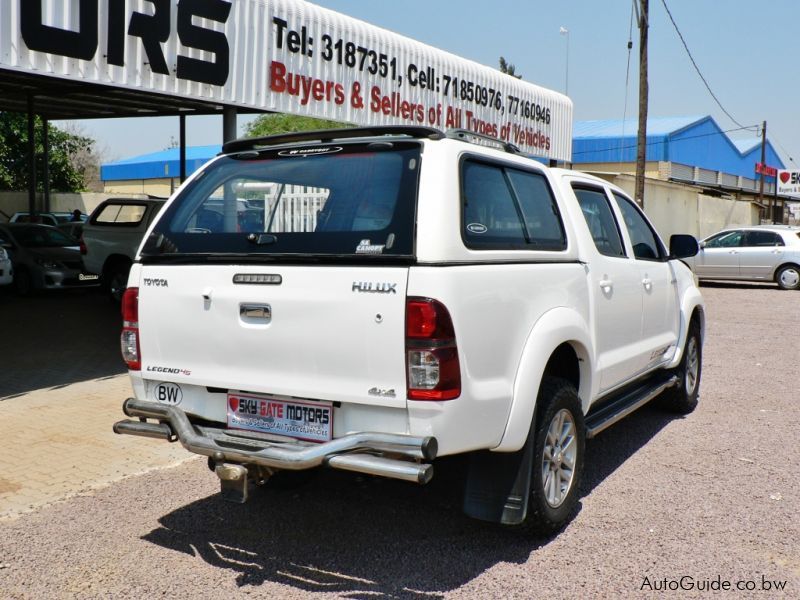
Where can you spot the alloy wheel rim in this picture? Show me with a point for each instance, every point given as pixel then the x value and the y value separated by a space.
pixel 558 459
pixel 692 365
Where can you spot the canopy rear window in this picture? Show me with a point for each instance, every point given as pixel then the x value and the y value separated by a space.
pixel 329 200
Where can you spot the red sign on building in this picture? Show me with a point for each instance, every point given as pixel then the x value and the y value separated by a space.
pixel 763 169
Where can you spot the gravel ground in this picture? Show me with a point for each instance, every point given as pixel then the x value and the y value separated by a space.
pixel 712 496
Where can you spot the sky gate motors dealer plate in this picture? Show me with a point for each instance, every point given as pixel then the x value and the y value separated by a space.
pixel 301 419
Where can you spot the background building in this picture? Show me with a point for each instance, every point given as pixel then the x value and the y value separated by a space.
pixel 698 179
pixel 154 174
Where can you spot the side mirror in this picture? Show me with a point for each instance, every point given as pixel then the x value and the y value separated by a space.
pixel 703 244
pixel 683 246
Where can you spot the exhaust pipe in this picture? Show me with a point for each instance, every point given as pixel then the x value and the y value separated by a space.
pixel 158 431
pixel 385 467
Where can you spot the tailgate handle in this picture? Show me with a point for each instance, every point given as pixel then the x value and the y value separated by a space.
pixel 255 311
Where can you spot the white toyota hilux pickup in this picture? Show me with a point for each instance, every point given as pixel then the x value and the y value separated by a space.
pixel 372 299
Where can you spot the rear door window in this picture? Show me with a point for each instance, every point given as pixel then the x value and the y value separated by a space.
pixel 762 238
pixel 645 242
pixel 333 201
pixel 600 219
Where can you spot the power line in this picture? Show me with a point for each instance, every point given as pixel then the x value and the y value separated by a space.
pixel 788 154
pixel 688 137
pixel 708 87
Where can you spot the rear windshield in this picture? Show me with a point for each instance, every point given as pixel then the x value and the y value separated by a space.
pixel 124 214
pixel 330 201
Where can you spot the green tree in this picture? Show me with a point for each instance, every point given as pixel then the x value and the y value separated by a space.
pixel 276 123
pixel 66 174
pixel 508 68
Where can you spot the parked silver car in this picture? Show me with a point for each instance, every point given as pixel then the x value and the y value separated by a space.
pixel 751 253
pixel 43 258
pixel 6 271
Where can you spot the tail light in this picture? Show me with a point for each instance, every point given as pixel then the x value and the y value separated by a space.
pixel 82 247
pixel 129 340
pixel 432 368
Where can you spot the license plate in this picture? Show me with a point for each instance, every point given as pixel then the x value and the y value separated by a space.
pixel 88 277
pixel 301 419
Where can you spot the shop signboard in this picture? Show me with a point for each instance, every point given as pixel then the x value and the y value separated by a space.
pixel 789 183
pixel 287 56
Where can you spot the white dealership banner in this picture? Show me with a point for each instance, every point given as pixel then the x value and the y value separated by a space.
pixel 789 183
pixel 286 56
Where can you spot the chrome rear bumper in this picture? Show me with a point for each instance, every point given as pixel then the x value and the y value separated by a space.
pixel 384 454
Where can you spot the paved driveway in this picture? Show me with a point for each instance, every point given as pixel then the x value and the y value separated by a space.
pixel 56 339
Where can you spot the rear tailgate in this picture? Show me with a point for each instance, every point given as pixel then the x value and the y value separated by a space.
pixel 332 333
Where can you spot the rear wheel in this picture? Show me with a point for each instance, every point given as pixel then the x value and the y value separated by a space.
pixel 683 397
pixel 116 278
pixel 557 466
pixel 788 277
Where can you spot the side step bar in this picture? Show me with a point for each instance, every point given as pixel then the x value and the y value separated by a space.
pixel 619 408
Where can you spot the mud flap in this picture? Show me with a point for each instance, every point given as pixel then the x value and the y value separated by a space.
pixel 498 485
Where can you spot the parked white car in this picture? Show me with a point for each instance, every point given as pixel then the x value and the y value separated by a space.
pixel 751 253
pixel 389 299
pixel 112 234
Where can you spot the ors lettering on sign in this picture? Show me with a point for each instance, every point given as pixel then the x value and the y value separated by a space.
pixel 152 29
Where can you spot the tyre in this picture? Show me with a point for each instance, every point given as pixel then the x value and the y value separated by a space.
pixel 788 277
pixel 23 284
pixel 559 441
pixel 117 280
pixel 683 398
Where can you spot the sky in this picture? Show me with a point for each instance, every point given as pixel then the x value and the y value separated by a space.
pixel 744 49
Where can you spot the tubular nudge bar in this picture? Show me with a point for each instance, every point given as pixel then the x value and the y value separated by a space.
pixel 384 454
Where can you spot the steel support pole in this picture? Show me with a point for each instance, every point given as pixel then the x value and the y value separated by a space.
pixel 46 162
pixel 31 156
pixel 182 135
pixel 228 124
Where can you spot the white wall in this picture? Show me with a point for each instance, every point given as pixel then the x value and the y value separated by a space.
pixel 682 208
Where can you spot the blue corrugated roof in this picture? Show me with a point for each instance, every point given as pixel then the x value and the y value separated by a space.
pixel 157 165
pixel 613 128
pixel 697 141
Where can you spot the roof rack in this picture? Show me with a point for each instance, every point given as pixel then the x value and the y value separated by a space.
pixel 329 135
pixel 465 134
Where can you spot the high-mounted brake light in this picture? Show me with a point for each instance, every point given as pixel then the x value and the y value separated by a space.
pixel 129 340
pixel 432 368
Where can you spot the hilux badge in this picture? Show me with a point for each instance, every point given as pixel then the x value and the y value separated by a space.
pixel 369 287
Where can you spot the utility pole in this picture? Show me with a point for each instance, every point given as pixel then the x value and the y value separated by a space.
pixel 761 178
pixel 642 10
